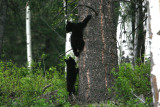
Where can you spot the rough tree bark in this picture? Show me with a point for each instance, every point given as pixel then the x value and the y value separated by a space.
pixel 99 56
pixel 3 11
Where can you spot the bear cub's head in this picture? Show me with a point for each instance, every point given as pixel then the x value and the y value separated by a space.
pixel 69 26
pixel 70 62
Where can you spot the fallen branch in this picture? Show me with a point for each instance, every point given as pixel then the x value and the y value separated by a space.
pixel 46 88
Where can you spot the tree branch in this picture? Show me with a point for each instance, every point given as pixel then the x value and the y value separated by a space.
pixel 51 28
pixel 64 53
pixel 137 27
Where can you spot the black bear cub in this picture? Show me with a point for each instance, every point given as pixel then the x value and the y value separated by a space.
pixel 72 72
pixel 77 41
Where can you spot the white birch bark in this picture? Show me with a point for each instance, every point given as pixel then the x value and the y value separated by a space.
pixel 148 34
pixel 68 48
pixel 124 38
pixel 68 35
pixel 154 6
pixel 28 34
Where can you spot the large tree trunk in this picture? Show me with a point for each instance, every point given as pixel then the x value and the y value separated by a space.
pixel 3 11
pixel 99 56
pixel 155 49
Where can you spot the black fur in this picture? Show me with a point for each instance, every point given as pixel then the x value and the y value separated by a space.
pixel 72 72
pixel 77 41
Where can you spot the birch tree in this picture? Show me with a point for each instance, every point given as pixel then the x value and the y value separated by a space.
pixel 131 31
pixel 99 56
pixel 148 33
pixel 154 6
pixel 68 35
pixel 124 35
pixel 28 36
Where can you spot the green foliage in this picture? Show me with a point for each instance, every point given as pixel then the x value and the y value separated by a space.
pixel 133 80
pixel 44 39
pixel 21 87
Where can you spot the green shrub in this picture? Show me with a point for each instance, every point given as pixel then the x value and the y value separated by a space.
pixel 21 87
pixel 133 80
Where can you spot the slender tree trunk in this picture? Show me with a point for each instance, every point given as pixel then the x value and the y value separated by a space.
pixel 28 34
pixel 155 50
pixel 140 31
pixel 148 34
pixel 68 35
pixel 3 11
pixel 68 48
pixel 99 56
pixel 133 6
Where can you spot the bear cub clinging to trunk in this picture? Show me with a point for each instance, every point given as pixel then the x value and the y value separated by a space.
pixel 77 41
pixel 72 72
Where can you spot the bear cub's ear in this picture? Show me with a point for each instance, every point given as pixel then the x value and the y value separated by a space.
pixel 69 27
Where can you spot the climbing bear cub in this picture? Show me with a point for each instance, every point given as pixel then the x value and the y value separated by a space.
pixel 77 41
pixel 72 72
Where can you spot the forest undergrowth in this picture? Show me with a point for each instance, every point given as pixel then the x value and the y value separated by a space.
pixel 38 87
